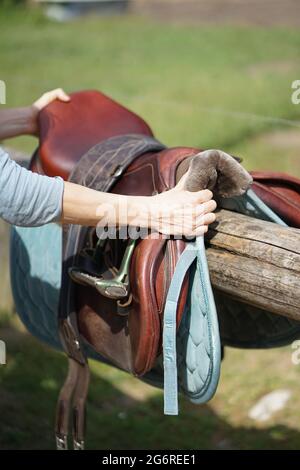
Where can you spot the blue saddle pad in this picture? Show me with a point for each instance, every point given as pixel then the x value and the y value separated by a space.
pixel 35 269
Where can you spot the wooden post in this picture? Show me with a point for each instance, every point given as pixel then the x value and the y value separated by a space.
pixel 256 262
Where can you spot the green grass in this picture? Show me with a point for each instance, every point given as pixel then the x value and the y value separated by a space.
pixel 124 413
pixel 196 86
pixel 183 80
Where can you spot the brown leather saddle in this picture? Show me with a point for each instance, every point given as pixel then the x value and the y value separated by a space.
pixel 124 325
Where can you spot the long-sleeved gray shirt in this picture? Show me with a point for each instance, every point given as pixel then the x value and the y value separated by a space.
pixel 26 198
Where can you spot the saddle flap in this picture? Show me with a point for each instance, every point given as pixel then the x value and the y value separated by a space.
pixel 281 192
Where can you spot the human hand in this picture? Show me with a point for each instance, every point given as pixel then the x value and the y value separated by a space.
pixel 180 212
pixel 49 96
pixel 42 102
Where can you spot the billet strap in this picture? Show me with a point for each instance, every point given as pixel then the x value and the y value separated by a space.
pixel 259 204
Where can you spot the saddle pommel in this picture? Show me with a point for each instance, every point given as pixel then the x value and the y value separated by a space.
pixel 214 170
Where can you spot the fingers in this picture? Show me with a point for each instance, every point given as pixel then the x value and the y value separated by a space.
pixel 187 225
pixel 201 196
pixel 61 95
pixel 198 226
pixel 47 98
pixel 189 211
pixel 206 207
pixel 198 232
pixel 197 196
pixel 178 232
pixel 183 213
pixel 206 219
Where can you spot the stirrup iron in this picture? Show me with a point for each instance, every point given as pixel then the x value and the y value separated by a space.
pixel 116 288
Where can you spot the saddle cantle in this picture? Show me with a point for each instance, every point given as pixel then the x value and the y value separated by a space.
pixel 127 332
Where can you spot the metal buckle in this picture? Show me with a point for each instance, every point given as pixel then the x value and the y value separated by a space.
pixel 70 341
pixel 78 445
pixel 61 442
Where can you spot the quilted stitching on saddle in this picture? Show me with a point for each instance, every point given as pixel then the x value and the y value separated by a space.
pixel 245 326
pixel 35 260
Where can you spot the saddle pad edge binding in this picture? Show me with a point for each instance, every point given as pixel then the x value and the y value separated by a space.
pixel 207 349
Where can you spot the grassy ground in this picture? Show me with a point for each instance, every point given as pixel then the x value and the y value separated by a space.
pixel 195 86
pixel 206 87
pixel 124 413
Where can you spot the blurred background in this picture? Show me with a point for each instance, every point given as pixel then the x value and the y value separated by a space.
pixel 205 73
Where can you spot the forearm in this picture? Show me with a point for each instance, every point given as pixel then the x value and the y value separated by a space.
pixel 88 207
pixel 30 200
pixel 175 212
pixel 17 121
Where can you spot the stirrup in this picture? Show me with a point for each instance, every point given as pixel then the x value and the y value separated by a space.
pixel 116 288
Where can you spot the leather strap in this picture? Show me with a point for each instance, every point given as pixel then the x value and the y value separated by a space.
pixel 74 390
pixel 259 204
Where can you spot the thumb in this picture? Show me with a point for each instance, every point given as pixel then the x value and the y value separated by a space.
pixel 181 185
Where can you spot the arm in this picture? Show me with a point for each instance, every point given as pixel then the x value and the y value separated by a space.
pixel 175 212
pixel 19 121
pixel 26 198
pixel 16 121
pixel 29 199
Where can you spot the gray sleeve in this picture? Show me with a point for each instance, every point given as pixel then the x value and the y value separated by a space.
pixel 26 198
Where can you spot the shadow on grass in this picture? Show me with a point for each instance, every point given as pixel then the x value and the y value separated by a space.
pixel 30 384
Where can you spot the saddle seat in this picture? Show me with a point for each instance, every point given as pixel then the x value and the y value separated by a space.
pixel 69 130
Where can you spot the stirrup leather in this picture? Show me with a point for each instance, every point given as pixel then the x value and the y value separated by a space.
pixel 73 394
